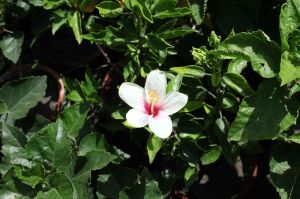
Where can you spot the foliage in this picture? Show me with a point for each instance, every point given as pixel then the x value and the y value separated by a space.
pixel 242 78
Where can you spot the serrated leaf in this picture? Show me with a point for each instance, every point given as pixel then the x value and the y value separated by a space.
pixel 255 47
pixel 22 95
pixel 257 119
pixel 154 144
pixel 238 83
pixel 11 46
pixel 284 169
pixel 198 9
pixel 13 143
pixel 51 144
pixel 95 160
pixel 73 118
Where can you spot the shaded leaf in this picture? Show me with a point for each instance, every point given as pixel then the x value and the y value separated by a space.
pixel 22 95
pixel 11 46
pixel 257 118
pixel 284 169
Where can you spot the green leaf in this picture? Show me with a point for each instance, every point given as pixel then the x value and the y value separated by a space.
pixel 257 119
pixel 74 19
pixel 22 95
pixel 73 118
pixel 51 4
pixel 238 83
pixel 289 70
pixel 177 32
pixel 189 71
pixel 192 106
pixel 96 159
pixel 289 21
pixel 58 20
pixel 198 9
pixel 255 47
pixel 11 46
pixel 190 176
pixel 13 143
pixel 114 180
pixel 52 193
pixel 147 187
pixel 51 144
pixel 96 142
pixel 237 66
pixel 175 83
pixel 211 156
pixel 295 138
pixel 167 9
pixel 154 144
pixel 109 9
pixel 142 8
pixel 284 169
pixel 28 177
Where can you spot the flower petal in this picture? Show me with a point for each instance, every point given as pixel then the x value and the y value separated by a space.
pixel 156 81
pixel 137 118
pixel 132 94
pixel 173 102
pixel 161 125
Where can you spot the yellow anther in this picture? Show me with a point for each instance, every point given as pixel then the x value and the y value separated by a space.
pixel 153 96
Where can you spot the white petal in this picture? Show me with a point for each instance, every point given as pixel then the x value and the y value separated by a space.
pixel 137 118
pixel 156 81
pixel 161 125
pixel 133 95
pixel 173 102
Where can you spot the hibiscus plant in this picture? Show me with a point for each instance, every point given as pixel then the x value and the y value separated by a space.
pixel 218 116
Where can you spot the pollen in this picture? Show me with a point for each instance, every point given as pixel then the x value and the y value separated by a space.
pixel 153 95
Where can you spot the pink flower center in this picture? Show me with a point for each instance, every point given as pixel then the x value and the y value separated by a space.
pixel 151 108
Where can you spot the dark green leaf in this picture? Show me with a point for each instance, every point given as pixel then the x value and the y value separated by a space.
pixel 13 143
pixel 198 9
pixel 238 83
pixel 52 193
pixel 73 118
pixel 284 169
pixel 51 144
pixel 257 118
pixel 11 46
pixel 22 95
pixel 141 6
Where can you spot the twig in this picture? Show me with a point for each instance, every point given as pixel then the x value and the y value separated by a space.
pixel 104 54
